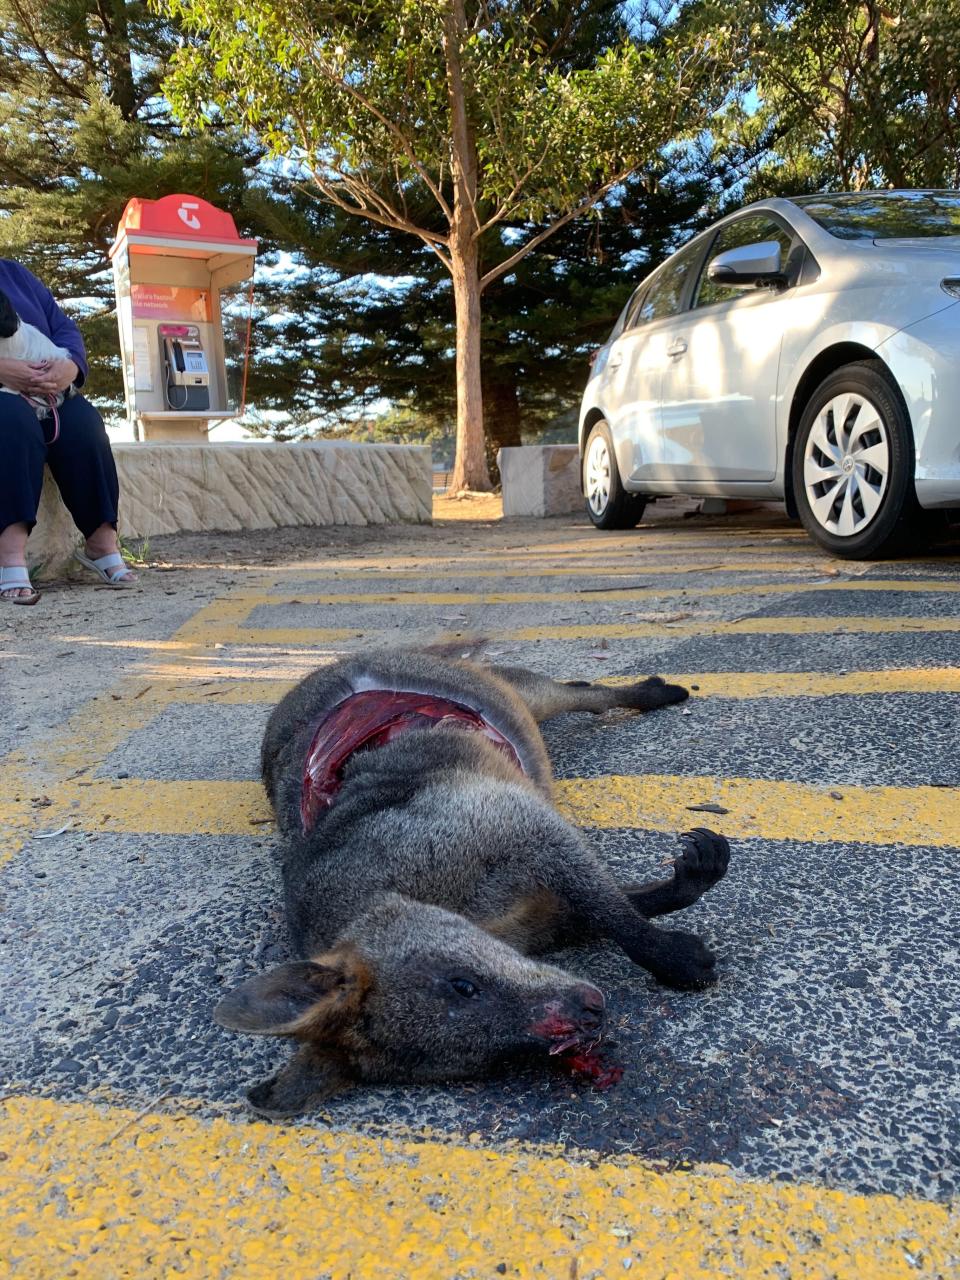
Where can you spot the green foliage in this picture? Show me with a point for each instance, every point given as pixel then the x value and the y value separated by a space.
pixel 345 341
pixel 852 94
pixel 359 94
pixel 447 120
pixel 352 315
pixel 82 129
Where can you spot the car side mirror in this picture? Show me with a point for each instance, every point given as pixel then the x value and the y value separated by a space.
pixel 749 266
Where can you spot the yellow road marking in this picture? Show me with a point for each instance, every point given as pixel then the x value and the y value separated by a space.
pixel 210 628
pixel 790 626
pixel 98 1193
pixel 772 810
pixel 757 807
pixel 669 538
pixel 812 684
pixel 89 736
pixel 646 568
pixel 254 599
pixel 202 690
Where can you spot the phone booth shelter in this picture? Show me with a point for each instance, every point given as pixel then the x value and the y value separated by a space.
pixel 183 280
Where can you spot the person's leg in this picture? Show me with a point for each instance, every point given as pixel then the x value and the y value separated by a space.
pixel 82 465
pixel 22 451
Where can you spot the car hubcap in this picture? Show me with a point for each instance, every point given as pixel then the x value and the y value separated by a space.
pixel 846 464
pixel 598 476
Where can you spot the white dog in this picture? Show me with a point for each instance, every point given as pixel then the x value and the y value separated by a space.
pixel 22 341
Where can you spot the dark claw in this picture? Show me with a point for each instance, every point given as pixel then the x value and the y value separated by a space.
pixel 705 856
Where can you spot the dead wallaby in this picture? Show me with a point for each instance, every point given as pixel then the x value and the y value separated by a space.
pixel 423 862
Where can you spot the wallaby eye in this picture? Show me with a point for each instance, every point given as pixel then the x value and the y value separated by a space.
pixel 464 987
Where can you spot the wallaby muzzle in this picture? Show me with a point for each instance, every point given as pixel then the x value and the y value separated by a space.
pixel 572 1020
pixel 573 1027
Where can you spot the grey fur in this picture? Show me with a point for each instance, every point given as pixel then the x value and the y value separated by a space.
pixel 419 897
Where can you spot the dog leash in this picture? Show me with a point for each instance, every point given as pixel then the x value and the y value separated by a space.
pixel 52 406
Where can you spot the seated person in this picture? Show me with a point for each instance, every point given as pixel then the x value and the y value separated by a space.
pixel 46 420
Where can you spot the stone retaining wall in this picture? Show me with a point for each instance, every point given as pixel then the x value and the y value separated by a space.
pixel 174 488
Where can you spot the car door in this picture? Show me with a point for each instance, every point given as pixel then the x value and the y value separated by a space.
pixel 636 362
pixel 719 390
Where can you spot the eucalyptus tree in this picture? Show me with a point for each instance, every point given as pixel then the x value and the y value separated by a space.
pixel 83 127
pixel 450 120
pixel 848 93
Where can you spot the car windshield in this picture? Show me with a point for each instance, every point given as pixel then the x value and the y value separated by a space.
pixel 885 215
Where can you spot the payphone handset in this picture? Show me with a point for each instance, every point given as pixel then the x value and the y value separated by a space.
pixel 186 375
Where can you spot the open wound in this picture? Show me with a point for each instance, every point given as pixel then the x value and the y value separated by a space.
pixel 371 719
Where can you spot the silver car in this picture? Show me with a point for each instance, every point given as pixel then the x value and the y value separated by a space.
pixel 806 350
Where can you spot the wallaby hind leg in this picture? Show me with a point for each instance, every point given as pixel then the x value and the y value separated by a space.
pixel 546 697
pixel 703 862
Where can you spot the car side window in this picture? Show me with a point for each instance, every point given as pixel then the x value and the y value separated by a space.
pixel 665 295
pixel 633 306
pixel 753 229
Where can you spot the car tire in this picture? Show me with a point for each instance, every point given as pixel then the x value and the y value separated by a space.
pixel 853 478
pixel 609 505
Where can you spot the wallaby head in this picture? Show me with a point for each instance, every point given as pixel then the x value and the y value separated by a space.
pixel 414 993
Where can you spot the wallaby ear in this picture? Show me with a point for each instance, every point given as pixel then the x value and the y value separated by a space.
pixel 309 1077
pixel 297 998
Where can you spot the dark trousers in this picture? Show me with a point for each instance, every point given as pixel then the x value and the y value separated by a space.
pixel 80 460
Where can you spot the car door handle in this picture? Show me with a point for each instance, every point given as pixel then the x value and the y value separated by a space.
pixel 678 348
pixel 616 360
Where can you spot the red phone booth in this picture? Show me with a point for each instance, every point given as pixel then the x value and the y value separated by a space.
pixel 184 296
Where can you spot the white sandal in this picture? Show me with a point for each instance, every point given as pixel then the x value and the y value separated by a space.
pixel 109 568
pixel 14 577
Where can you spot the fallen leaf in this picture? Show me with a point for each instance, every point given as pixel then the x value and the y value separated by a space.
pixel 48 835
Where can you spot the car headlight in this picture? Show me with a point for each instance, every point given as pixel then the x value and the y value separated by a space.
pixel 951 285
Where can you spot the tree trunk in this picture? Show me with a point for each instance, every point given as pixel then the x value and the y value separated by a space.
pixel 117 52
pixel 470 466
pixel 501 399
pixel 501 414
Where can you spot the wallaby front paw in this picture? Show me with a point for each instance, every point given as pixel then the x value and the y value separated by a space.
pixel 704 860
pixel 683 962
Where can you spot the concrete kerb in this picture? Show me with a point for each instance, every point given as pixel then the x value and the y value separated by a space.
pixel 540 480
pixel 174 488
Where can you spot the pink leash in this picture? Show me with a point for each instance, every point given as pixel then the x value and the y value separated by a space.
pixel 52 403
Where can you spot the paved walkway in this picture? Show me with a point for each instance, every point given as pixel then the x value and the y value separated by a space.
pixel 800 1119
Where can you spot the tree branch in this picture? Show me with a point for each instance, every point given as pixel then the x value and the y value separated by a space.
pixel 503 267
pixel 504 209
pixel 70 88
pixel 329 191
pixel 367 202
pixel 391 126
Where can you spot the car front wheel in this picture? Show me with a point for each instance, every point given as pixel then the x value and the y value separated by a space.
pixel 609 505
pixel 853 465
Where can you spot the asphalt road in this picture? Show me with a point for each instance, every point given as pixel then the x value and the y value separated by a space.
pixel 801 1118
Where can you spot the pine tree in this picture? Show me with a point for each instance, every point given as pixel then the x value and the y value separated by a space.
pixel 83 127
